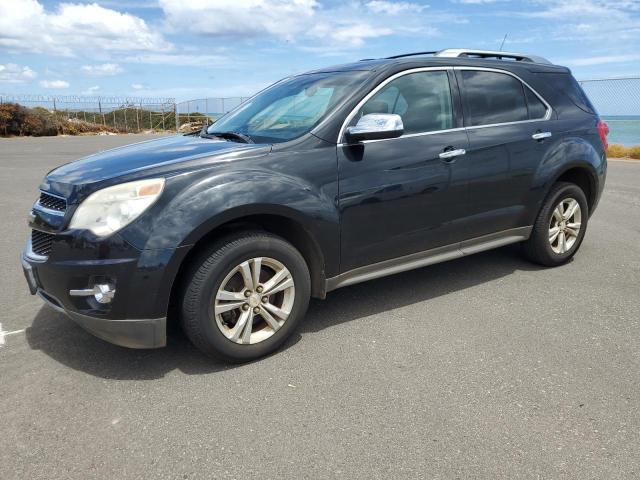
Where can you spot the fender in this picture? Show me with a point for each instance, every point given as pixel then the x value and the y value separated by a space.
pixel 571 152
pixel 207 202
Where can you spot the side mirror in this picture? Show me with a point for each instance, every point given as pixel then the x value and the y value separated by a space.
pixel 375 126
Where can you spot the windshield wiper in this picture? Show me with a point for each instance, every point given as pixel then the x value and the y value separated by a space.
pixel 233 136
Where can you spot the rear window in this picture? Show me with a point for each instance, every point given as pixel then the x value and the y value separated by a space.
pixel 493 97
pixel 566 84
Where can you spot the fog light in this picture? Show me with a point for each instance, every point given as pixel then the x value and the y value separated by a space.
pixel 102 292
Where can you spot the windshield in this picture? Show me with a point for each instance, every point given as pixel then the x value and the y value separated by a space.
pixel 289 108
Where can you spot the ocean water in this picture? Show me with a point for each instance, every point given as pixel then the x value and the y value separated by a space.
pixel 624 130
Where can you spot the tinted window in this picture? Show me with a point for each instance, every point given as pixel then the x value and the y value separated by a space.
pixel 537 109
pixel 422 99
pixel 493 98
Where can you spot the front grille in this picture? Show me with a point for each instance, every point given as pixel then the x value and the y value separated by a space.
pixel 41 242
pixel 52 203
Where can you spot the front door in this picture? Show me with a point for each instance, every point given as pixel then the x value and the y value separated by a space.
pixel 398 196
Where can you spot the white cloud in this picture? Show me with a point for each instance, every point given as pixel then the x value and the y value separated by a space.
pixel 138 86
pixel 253 18
pixel 12 73
pixel 394 8
pixel 600 60
pixel 91 90
pixel 609 23
pixel 305 23
pixel 72 28
pixel 478 2
pixel 103 70
pixel 353 35
pixel 54 84
pixel 182 60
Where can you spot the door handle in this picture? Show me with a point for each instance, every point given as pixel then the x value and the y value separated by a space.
pixel 541 135
pixel 449 154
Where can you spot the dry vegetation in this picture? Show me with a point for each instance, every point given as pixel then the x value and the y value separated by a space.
pixel 620 151
pixel 16 120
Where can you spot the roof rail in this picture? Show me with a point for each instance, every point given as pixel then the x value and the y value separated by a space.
pixel 411 54
pixel 462 52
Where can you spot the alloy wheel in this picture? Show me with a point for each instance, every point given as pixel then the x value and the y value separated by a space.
pixel 564 225
pixel 254 300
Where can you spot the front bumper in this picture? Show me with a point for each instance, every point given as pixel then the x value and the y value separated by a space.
pixel 136 318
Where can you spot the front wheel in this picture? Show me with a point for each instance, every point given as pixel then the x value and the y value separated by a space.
pixel 246 296
pixel 560 226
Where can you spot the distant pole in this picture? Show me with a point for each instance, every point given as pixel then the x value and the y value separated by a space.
pixel 55 112
pixel 175 111
pixel 503 40
pixel 138 118
pixel 163 117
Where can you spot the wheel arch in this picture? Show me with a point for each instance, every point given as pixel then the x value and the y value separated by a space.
pixel 583 177
pixel 281 225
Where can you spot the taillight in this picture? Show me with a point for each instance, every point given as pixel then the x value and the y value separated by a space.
pixel 603 131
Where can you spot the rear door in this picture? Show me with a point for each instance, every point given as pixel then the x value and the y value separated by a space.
pixel 510 130
pixel 397 196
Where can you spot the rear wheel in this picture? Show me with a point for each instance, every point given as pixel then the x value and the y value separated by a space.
pixel 560 226
pixel 246 296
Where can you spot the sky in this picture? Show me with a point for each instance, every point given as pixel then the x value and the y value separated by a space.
pixel 188 49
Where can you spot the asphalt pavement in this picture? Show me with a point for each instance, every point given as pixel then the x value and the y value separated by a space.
pixel 483 367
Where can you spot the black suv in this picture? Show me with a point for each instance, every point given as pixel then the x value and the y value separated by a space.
pixel 322 180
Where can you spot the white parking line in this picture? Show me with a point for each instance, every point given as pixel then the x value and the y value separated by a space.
pixel 4 334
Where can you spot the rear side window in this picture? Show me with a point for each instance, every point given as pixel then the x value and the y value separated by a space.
pixel 537 109
pixel 493 97
pixel 566 84
pixel 422 99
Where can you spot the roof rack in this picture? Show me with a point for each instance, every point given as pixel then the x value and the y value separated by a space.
pixel 466 53
pixel 412 54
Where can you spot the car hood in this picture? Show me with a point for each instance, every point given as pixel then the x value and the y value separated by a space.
pixel 152 157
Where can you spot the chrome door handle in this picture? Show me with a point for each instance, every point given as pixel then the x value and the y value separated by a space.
pixel 452 153
pixel 541 135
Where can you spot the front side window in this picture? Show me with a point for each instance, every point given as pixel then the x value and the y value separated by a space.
pixel 422 99
pixel 493 97
pixel 290 108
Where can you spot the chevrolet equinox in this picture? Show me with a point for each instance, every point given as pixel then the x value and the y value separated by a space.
pixel 322 180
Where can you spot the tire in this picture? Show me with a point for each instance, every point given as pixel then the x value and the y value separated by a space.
pixel 540 248
pixel 215 323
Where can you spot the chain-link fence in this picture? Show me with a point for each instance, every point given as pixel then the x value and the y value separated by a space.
pixel 618 101
pixel 614 96
pixel 122 114
pixel 197 110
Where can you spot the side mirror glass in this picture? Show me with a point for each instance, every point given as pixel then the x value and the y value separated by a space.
pixel 375 126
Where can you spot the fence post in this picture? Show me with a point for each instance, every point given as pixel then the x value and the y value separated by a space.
pixel 163 117
pixel 138 119
pixel 104 122
pixel 175 111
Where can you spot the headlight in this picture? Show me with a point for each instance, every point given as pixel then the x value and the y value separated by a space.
pixel 108 210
